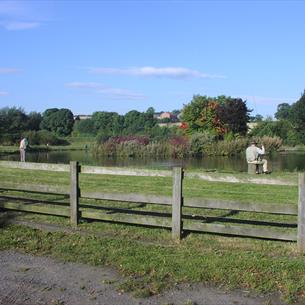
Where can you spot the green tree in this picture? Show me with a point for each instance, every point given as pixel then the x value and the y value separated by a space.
pixel 58 121
pixel 33 121
pixel 283 112
pixel 13 123
pixel 107 123
pixel 13 120
pixel 298 117
pixel 150 111
pixel 195 112
pixel 282 128
pixel 134 122
pixel 256 118
pixel 84 127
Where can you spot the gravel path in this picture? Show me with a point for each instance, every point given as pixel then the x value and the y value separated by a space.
pixel 33 280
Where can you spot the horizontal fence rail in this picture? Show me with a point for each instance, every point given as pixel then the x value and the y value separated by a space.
pixel 175 219
pixel 141 172
pixel 36 188
pixel 124 172
pixel 36 166
pixel 270 208
pixel 137 198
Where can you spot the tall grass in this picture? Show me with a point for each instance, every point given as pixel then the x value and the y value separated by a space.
pixel 179 147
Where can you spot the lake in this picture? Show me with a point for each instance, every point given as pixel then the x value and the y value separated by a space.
pixel 291 161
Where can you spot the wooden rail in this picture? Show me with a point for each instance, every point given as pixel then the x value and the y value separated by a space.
pixel 173 220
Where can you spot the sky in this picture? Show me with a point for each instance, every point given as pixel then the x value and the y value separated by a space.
pixel 131 55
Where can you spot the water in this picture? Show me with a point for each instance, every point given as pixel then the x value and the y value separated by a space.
pixel 278 162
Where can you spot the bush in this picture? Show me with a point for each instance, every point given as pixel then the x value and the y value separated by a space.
pixel 199 141
pixel 102 138
pixel 142 140
pixel 282 129
pixel 179 147
pixel 9 139
pixel 227 147
pixel 44 137
pixel 139 146
pixel 270 143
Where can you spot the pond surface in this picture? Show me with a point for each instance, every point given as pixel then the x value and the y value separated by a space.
pixel 278 162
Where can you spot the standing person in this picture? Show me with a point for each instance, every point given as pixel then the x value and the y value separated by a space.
pixel 22 147
pixel 253 155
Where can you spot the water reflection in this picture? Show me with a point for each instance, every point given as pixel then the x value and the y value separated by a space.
pixel 278 162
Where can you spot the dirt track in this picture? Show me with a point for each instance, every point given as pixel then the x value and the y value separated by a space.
pixel 32 280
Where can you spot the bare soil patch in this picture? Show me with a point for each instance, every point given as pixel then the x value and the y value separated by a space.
pixel 33 280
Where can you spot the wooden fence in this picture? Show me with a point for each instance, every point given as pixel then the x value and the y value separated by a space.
pixel 76 210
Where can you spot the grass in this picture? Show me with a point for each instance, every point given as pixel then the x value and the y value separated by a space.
pixel 265 266
pixel 149 259
pixel 76 143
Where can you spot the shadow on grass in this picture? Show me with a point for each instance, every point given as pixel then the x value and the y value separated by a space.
pixel 226 218
pixel 136 210
pixel 6 217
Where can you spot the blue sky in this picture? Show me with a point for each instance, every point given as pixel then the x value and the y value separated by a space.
pixel 122 55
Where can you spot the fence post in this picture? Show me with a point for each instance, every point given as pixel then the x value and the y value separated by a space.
pixel 301 214
pixel 74 193
pixel 177 203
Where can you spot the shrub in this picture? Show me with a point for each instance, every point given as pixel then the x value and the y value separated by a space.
pixel 102 138
pixel 227 147
pixel 271 143
pixel 44 137
pixel 179 147
pixel 142 140
pixel 9 139
pixel 199 141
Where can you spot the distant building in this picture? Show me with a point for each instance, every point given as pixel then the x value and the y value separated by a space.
pixel 165 115
pixel 82 116
pixel 251 125
pixel 170 124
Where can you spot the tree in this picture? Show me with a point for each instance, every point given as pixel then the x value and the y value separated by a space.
pixel 84 127
pixel 13 123
pixel 33 121
pixel 283 111
pixel 234 115
pixel 219 115
pixel 108 123
pixel 298 117
pixel 58 121
pixel 13 120
pixel 256 118
pixel 134 122
pixel 176 112
pixel 194 112
pixel 150 110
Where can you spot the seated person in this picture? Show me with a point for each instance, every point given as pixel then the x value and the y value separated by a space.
pixel 253 155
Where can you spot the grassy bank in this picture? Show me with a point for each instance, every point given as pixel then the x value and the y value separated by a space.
pixel 74 144
pixel 148 257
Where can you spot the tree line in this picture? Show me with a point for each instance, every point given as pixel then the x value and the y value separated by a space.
pixel 204 120
pixel 46 128
pixel 289 123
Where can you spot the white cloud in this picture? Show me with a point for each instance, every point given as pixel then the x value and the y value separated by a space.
pixel 3 93
pixel 18 15
pixel 268 100
pixel 169 72
pixel 122 94
pixel 107 91
pixel 10 8
pixel 83 85
pixel 9 70
pixel 19 25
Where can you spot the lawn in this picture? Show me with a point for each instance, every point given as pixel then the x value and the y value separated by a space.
pixel 148 257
